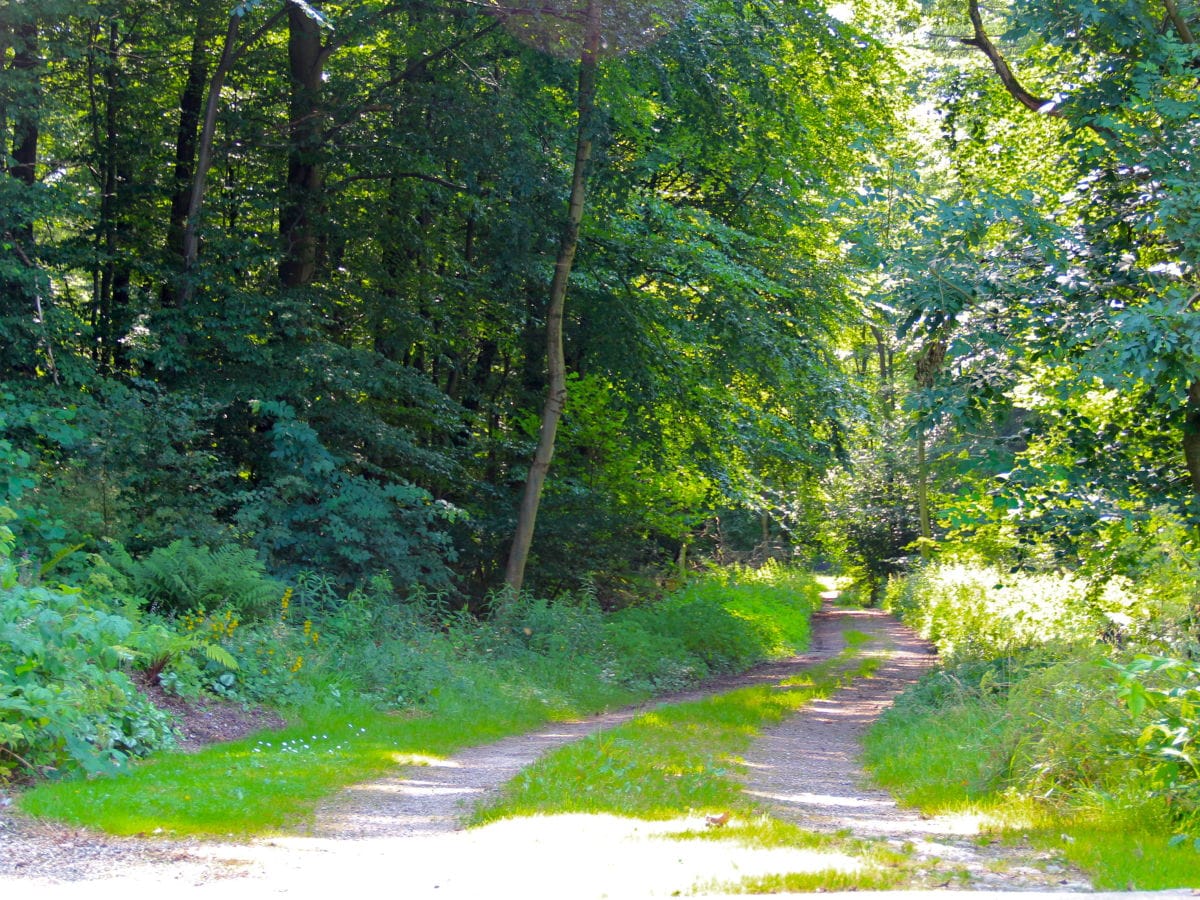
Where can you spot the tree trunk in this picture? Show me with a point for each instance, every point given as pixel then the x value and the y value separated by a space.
pixel 305 179
pixel 1191 436
pixel 556 393
pixel 191 235
pixel 923 494
pixel 19 302
pixel 191 106
pixel 25 123
pixel 112 297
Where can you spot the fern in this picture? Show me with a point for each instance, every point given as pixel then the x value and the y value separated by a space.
pixel 181 576
pixel 158 647
pixel 219 655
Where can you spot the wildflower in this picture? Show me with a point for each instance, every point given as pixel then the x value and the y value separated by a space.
pixel 298 663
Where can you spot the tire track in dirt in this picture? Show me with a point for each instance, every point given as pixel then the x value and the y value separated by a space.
pixel 417 801
pixel 807 771
pixel 435 797
pixel 406 831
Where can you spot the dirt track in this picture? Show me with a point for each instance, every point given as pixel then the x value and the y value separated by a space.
pixel 404 833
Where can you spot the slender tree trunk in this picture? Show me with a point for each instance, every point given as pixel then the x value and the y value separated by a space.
pixel 1191 436
pixel 927 363
pixel 6 42
pixel 305 178
pixel 191 106
pixel 186 289
pixel 923 494
pixel 556 393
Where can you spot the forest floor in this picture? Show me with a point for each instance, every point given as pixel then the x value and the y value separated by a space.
pixel 405 833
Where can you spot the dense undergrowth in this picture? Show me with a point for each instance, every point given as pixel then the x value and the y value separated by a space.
pixel 1067 704
pixel 362 676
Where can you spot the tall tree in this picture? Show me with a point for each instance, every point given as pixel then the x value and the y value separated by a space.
pixel 556 388
pixel 22 317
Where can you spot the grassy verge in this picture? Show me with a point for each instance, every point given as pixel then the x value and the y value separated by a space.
pixel 672 761
pixel 269 782
pixel 680 760
pixel 957 755
pixel 532 662
pixel 1066 712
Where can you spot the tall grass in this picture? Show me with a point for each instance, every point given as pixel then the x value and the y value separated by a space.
pixel 1044 718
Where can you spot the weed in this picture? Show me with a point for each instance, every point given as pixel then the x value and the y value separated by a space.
pixel 823 881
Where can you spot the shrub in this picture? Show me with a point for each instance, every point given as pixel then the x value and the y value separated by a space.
pixel 569 626
pixel 64 703
pixel 981 612
pixel 310 509
pixel 1063 727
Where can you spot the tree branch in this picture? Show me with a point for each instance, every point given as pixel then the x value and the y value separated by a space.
pixel 419 176
pixel 982 42
pixel 1180 23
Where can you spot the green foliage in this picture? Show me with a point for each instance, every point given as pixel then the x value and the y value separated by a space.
pixel 981 613
pixel 1046 712
pixel 32 437
pixel 310 512
pixel 364 413
pixel 65 704
pixel 157 649
pixel 181 577
pixel 872 508
pixel 460 681
pixel 1152 561
pixel 719 623
pixel 566 627
pixel 1167 693
pixel 1046 748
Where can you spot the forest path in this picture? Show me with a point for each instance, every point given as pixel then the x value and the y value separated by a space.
pixel 403 834
pixel 807 771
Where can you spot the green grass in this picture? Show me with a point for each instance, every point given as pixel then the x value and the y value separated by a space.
pixel 944 759
pixel 669 762
pixel 681 759
pixel 821 881
pixel 1120 854
pixel 273 782
pixel 764 832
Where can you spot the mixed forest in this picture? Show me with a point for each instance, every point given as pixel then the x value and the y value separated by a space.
pixel 436 336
